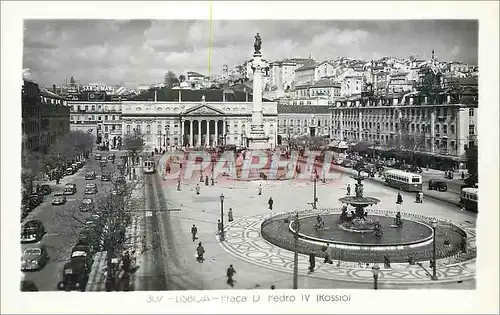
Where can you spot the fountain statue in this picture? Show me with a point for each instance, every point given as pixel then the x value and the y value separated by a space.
pixel 357 220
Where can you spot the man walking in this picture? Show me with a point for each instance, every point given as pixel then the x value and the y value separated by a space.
pixel 270 203
pixel 194 231
pixel 312 261
pixel 199 252
pixel 230 215
pixel 348 189
pixel 399 199
pixel 260 189
pixel 197 189
pixel 230 273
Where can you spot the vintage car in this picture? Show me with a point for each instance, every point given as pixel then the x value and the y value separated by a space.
pixel 34 200
pixel 89 236
pixel 90 175
pixel 32 232
pixel 34 257
pixel 45 189
pixel 79 164
pixel 102 163
pixel 70 171
pixel 91 189
pixel 105 177
pixel 75 275
pixel 111 157
pixel 98 156
pixel 58 199
pixel 83 251
pixel 87 205
pixel 69 189
pixel 438 185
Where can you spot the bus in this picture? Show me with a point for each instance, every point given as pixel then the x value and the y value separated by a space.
pixel 403 180
pixel 468 198
pixel 149 167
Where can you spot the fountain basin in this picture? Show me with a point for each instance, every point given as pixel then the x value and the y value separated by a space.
pixel 413 234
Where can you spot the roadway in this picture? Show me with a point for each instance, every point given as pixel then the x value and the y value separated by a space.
pixel 61 226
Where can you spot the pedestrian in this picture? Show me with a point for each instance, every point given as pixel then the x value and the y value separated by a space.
pixel 206 180
pixel 260 189
pixel 348 189
pixel 462 175
pixel 144 245
pixel 197 189
pixel 328 257
pixel 230 273
pixel 194 231
pixel 421 197
pixel 270 203
pixel 312 261
pixel 199 253
pixel 126 262
pixel 399 199
pixel 230 215
pixel 219 227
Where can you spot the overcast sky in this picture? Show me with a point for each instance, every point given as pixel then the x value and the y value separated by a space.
pixel 137 52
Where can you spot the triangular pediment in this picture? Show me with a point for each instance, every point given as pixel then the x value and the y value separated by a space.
pixel 203 110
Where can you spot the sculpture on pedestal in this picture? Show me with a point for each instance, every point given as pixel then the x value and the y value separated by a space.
pixel 257 43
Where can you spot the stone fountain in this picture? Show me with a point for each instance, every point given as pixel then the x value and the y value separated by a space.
pixel 358 221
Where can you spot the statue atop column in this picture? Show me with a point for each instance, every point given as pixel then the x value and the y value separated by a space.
pixel 203 98
pixel 257 43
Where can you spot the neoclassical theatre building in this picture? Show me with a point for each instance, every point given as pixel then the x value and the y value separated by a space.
pixel 195 118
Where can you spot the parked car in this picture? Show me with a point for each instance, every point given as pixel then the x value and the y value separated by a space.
pixel 87 205
pixel 25 210
pixel 347 163
pixel 98 156
pixel 84 252
pixel 111 157
pixel 34 257
pixel 70 171
pixel 102 163
pixel 45 189
pixel 79 164
pixel 105 177
pixel 69 189
pixel 439 185
pixel 59 199
pixel 32 232
pixel 90 175
pixel 34 200
pixel 90 189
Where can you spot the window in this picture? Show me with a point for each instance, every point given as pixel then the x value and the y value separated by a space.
pixel 471 129
pixel 86 107
pixel 93 107
pixel 445 129
pixel 99 118
pixel 415 180
pixel 471 111
pixel 105 117
pixel 159 128
pixel 106 128
pixel 452 129
pixel 437 128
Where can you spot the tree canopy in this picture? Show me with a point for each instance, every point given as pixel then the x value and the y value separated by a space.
pixel 133 143
pixel 170 79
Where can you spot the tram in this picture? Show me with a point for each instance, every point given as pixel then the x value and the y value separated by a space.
pixel 468 199
pixel 403 180
pixel 149 167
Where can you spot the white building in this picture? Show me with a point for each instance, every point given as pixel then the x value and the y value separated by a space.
pixel 297 121
pixel 183 119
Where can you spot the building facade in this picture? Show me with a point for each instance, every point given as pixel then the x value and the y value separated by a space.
pixel 441 125
pixel 178 120
pixel 98 115
pixel 303 121
pixel 45 117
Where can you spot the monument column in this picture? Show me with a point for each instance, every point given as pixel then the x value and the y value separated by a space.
pixel 224 141
pixel 257 138
pixel 190 132
pixel 207 138
pixel 181 140
pixel 198 141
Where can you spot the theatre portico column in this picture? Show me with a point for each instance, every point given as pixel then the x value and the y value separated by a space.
pixel 216 137
pixel 224 140
pixel 207 139
pixel 190 132
pixel 198 141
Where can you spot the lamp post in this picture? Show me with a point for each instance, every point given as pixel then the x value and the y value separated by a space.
pixel 167 130
pixel 222 238
pixel 296 253
pixel 375 270
pixel 434 227
pixel 315 200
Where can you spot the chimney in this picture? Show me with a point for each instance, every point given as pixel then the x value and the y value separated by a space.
pixel 156 97
pixel 54 88
pixel 180 96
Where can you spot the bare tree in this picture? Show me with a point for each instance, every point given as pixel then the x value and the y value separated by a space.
pixel 170 79
pixel 103 226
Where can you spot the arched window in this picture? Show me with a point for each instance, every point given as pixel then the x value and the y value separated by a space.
pixel 159 129
pixel 148 129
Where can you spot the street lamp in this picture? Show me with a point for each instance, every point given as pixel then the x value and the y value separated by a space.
pixel 222 238
pixel 296 253
pixel 167 131
pixel 375 270
pixel 315 200
pixel 434 227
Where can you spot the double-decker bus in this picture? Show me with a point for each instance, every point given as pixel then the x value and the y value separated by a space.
pixel 468 198
pixel 403 180
pixel 149 167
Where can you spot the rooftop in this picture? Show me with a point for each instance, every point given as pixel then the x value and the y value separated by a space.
pixel 325 83
pixel 307 66
pixel 211 95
